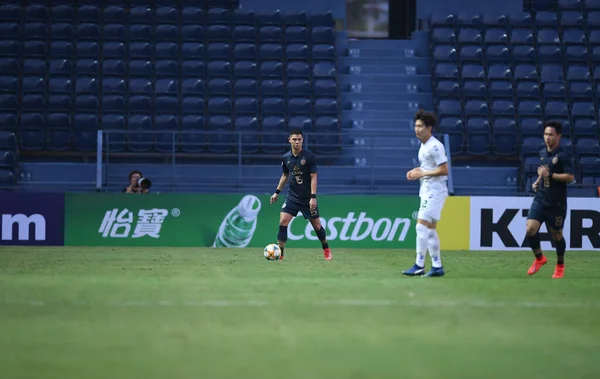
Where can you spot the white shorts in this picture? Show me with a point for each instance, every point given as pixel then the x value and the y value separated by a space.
pixel 431 208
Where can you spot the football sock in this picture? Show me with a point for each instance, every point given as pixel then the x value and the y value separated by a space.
pixel 422 232
pixel 281 247
pixel 325 245
pixel 282 237
pixel 321 234
pixel 561 246
pixel 433 244
pixel 534 243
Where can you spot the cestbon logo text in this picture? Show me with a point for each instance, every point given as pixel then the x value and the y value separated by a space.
pixel 23 223
pixel 351 228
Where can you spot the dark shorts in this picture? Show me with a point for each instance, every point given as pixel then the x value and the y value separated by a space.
pixel 554 217
pixel 293 208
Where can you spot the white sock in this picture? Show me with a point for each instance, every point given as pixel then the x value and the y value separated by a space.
pixel 434 248
pixel 422 241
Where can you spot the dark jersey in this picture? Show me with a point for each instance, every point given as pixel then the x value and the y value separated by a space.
pixel 299 167
pixel 553 193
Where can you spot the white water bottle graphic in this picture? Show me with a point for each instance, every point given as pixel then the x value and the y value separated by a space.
pixel 239 225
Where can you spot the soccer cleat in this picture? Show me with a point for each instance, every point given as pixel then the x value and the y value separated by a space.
pixel 436 271
pixel 327 254
pixel 559 272
pixel 536 265
pixel 415 270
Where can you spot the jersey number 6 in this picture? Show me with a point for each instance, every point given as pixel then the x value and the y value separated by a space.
pixel 299 179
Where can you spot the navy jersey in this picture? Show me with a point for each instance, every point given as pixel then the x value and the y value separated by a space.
pixel 299 167
pixel 553 193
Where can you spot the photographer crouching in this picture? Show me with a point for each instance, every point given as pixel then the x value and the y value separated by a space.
pixel 137 183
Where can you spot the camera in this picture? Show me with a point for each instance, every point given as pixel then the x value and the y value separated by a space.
pixel 144 183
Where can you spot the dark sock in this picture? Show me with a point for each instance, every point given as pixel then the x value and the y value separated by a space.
pixel 561 246
pixel 322 237
pixel 534 243
pixel 282 237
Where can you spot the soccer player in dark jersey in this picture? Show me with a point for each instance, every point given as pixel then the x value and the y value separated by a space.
pixel 550 201
pixel 302 191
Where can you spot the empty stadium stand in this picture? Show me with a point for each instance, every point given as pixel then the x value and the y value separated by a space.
pixel 497 77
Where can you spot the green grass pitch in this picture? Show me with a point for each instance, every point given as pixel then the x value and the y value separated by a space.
pixel 215 313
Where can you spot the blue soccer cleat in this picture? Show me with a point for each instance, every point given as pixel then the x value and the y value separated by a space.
pixel 439 271
pixel 415 271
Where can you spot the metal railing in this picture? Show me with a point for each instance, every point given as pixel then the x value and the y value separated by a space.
pixel 352 168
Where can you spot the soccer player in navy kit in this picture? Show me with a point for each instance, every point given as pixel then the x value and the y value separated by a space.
pixel 302 191
pixel 550 201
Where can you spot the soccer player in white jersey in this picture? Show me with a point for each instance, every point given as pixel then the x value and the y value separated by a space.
pixel 432 172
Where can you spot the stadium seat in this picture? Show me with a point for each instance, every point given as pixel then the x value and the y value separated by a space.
pixel 222 137
pixel 248 128
pixel 504 136
pixel 479 140
pixel 166 142
pixel 138 138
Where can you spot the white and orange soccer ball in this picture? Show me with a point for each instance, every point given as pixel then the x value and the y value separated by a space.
pixel 272 252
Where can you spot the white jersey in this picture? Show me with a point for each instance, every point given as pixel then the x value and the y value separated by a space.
pixel 431 155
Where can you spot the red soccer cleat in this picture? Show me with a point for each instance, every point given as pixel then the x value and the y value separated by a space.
pixel 536 265
pixel 559 272
pixel 327 254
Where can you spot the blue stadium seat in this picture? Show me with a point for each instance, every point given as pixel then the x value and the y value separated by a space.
pixel 581 91
pixel 193 143
pixel 245 69
pixel 34 12
pixel 59 139
pixel 301 87
pixel 140 68
pixel 193 105
pixel 470 53
pixel 270 33
pixel 113 67
pixel 528 90
pixel 556 109
pixel 324 87
pixel 8 102
pixel 273 105
pixel 271 69
pixel 472 71
pixel 246 87
pixel 88 31
pixel 113 85
pixel 274 135
pixel 505 136
pixel 192 86
pixel 587 147
pixel 476 107
pixel 474 88
pixel 548 37
pixel 166 142
pixel 531 146
pixel 9 84
pixel 446 71
pixel 443 36
pixel 87 67
pixel 115 14
pixel 449 107
pixel 300 105
pixel 112 103
pixel 526 72
pixel 268 18
pixel 32 120
pixel 221 142
pixel 583 109
pixel 192 68
pixel 166 104
pixel 496 53
pixel 574 37
pixel 137 140
pixel 296 34
pixel 192 15
pixel 531 127
pixel 243 33
pixel 167 15
pixel 570 4
pixel 87 49
pixel 8 140
pixel 63 13
pixel 88 13
pixel 479 141
pixel 496 37
pixel 8 121
pixel 325 106
pixel 219 51
pixel 322 19
pixel 61 31
pixel 448 88
pixel 578 73
pixel 219 68
pixel 219 86
pixel 303 123
pixel 546 19
pixel 168 68
pixel 86 121
pixel 323 52
pixel 60 85
pixel 529 108
pixel 218 33
pixel 551 73
pixel 33 139
pixel 272 87
pixel 218 16
pixel 140 15
pixel 469 36
pixel 503 107
pixel 114 50
pixel 33 30
pixel 271 51
pixel 494 19
pixel 469 19
pixel 244 51
pixel 521 19
pixel 448 53
pixel 441 19
pixel 554 90
pixel 29 102
pixel 521 36
pixel 454 128
pixel 60 67
pixel 295 18
pixel 220 105
pixel 86 85
pixel 298 70
pixel 192 33
pixel 246 105
pixel 34 66
pixel 249 129
pixel 166 50
pixel 585 127
pixel 9 66
pixel 576 53
pixel 523 53
pixel 329 141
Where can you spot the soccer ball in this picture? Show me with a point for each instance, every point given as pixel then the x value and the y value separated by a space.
pixel 272 252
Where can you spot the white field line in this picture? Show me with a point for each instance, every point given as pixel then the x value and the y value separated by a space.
pixel 326 303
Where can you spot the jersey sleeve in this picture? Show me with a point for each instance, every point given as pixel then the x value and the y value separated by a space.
pixel 284 167
pixel 439 154
pixel 567 163
pixel 313 164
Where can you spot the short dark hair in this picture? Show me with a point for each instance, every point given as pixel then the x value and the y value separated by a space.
pixel 135 172
pixel 296 131
pixel 428 118
pixel 554 124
